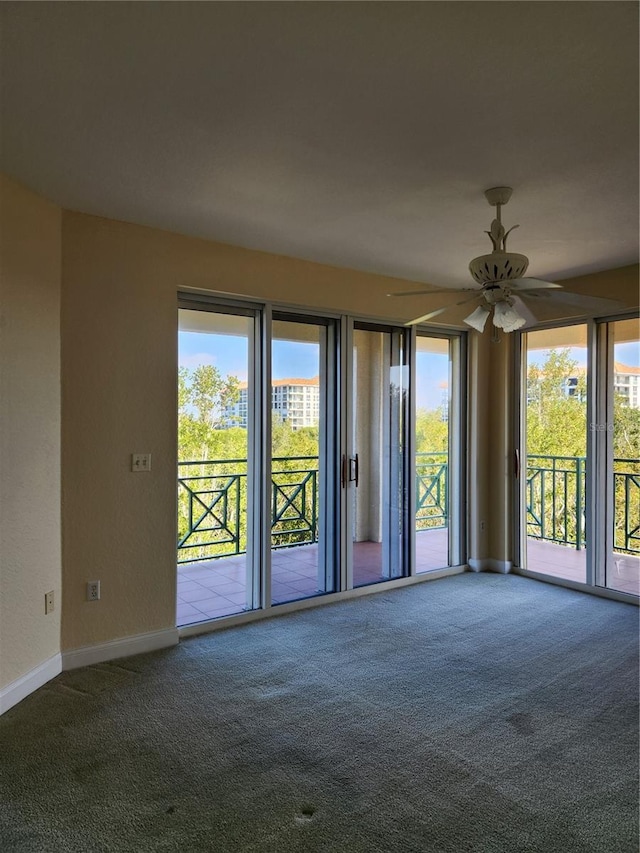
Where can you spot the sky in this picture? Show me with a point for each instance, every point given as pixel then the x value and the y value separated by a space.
pixel 628 354
pixel 300 360
pixel 296 360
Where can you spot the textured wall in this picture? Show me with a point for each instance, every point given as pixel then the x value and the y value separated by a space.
pixel 29 429
pixel 479 437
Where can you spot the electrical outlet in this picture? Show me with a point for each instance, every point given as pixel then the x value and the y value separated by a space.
pixel 93 590
pixel 140 461
pixel 48 602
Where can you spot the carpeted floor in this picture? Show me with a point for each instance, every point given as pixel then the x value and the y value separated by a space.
pixel 483 713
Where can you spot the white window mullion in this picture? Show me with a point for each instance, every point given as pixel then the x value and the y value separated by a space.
pixel 261 557
pixel 410 526
pixel 345 450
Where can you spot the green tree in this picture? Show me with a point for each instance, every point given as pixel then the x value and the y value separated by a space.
pixel 556 419
pixel 432 431
pixel 211 394
pixel 557 426
pixel 204 397
pixel 626 429
pixel 184 390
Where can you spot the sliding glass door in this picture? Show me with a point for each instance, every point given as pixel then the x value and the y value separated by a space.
pixel 618 443
pixel 557 377
pixel 303 468
pixel 580 496
pixel 217 464
pixel 303 538
pixel 438 463
pixel 375 468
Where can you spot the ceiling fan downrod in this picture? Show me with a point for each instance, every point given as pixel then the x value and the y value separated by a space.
pixel 500 265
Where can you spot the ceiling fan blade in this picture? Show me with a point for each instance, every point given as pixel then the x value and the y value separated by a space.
pixel 524 311
pixel 532 284
pixel 589 303
pixel 451 290
pixel 428 316
pixel 438 311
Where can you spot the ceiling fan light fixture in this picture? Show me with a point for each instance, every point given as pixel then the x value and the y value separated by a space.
pixel 506 317
pixel 478 318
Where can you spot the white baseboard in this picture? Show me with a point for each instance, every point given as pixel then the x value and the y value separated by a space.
pixel 19 689
pixel 488 564
pixel 501 566
pixel 120 648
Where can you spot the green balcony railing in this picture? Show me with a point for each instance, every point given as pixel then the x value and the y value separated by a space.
pixel 555 491
pixel 432 490
pixel 212 500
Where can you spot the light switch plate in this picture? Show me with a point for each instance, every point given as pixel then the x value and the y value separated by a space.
pixel 140 461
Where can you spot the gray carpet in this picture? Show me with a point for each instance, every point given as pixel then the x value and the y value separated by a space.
pixel 479 713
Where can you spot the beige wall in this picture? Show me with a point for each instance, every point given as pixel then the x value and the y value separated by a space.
pixel 478 453
pixel 501 484
pixel 29 430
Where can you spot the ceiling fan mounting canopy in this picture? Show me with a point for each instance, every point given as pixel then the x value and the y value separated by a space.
pixel 498 195
pixel 500 265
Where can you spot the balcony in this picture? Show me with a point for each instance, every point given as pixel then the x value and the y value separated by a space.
pixel 556 523
pixel 213 538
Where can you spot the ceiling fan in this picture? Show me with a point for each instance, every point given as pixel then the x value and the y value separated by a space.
pixel 501 287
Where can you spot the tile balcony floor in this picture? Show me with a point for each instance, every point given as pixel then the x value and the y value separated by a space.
pixel 214 588
pixel 561 561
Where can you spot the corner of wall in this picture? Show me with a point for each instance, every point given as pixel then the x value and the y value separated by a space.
pixel 478 458
pixel 30 530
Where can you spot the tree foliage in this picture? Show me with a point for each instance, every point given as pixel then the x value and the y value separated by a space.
pixel 557 411
pixel 556 407
pixel 557 427
pixel 204 396
pixel 432 431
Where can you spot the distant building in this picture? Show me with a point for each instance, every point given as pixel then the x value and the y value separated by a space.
pixel 572 387
pixel 626 382
pixel 444 401
pixel 295 401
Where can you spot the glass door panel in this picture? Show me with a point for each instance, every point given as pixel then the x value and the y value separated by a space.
pixel 303 429
pixel 621 431
pixel 215 493
pixel 375 470
pixel 433 400
pixel 556 446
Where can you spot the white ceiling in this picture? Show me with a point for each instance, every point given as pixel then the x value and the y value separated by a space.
pixel 355 134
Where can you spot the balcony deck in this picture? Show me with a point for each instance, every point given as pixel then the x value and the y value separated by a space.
pixel 214 588
pixel 562 561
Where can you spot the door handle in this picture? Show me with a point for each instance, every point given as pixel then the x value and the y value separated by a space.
pixel 516 463
pixel 349 470
pixel 354 470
